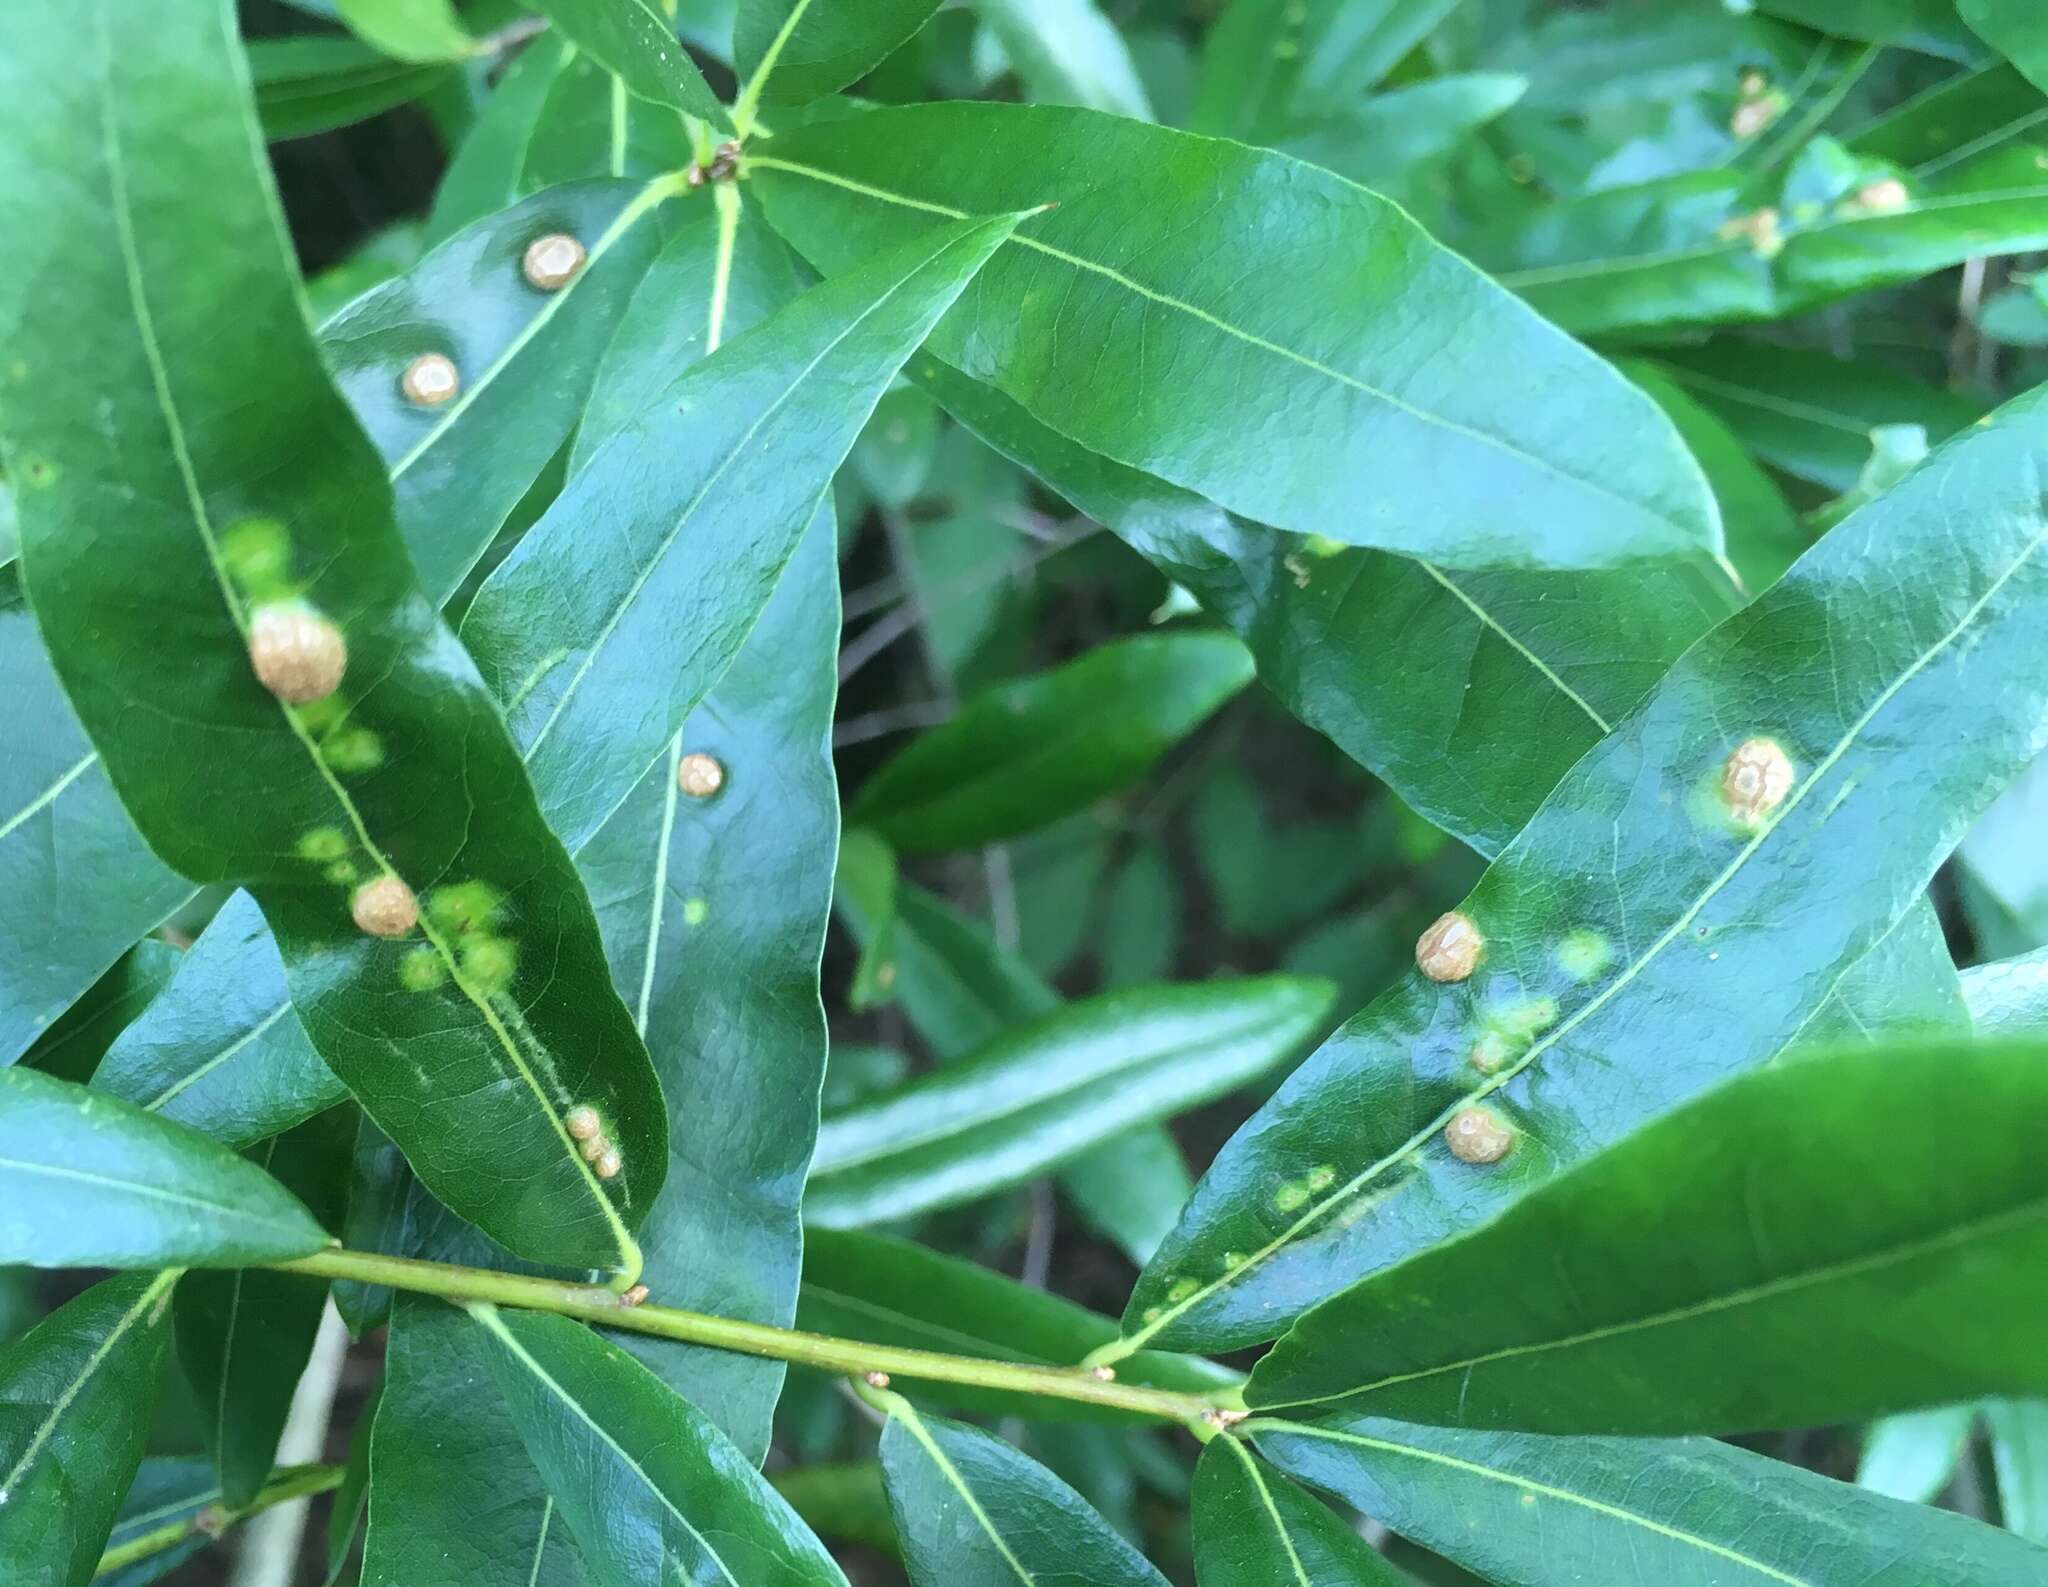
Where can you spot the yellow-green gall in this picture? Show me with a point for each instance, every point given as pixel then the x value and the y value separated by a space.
pixel 323 845
pixel 385 907
pixel 1583 954
pixel 488 963
pixel 430 380
pixel 1755 780
pixel 551 262
pixel 1885 196
pixel 1477 1135
pixel 353 751
pixel 297 654
pixel 464 906
pixel 699 775
pixel 257 555
pixel 421 970
pixel 1450 949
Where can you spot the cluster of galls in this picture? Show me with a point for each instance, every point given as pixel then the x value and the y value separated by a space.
pixel 549 264
pixel 586 1128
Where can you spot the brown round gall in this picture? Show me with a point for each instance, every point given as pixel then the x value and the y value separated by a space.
pixel 1450 949
pixel 297 654
pixel 551 262
pixel 608 1163
pixel 1755 780
pixel 430 380
pixel 583 1124
pixel 385 907
pixel 1884 196
pixel 699 775
pixel 1477 1135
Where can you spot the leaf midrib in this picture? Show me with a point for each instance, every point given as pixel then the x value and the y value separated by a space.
pixel 905 1413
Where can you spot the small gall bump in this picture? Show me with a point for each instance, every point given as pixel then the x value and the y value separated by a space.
pixel 552 261
pixel 257 555
pixel 1450 949
pixel 1489 1053
pixel 1103 1374
pixel 430 380
pixel 1883 197
pixel 583 1124
pixel 323 845
pixel 421 970
pixel 1476 1135
pixel 1755 780
pixel 463 907
pixel 608 1164
pixel 353 751
pixel 1584 954
pixel 385 907
pixel 342 873
pixel 1321 1178
pixel 696 911
pixel 297 654
pixel 875 1380
pixel 490 963
pixel 594 1148
pixel 636 1296
pixel 699 775
pixel 1291 1197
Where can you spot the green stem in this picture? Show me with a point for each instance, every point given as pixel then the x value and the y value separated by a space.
pixel 299 1482
pixel 591 1303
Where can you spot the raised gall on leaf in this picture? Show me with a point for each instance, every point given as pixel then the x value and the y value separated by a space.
pixel 385 907
pixel 1450 949
pixel 297 654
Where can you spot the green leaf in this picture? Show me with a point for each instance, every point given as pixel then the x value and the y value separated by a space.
pixel 1270 65
pixel 890 1292
pixel 408 30
pixel 166 1488
pixel 80 1386
pixel 637 42
pixel 1515 674
pixel 1625 914
pixel 79 1038
pixel 1913 1456
pixel 1067 53
pixel 525 358
pixel 352 1498
pixel 319 82
pixel 245 1336
pixel 2004 868
pixel 1526 1510
pixel 707 494
pixel 1806 412
pixel 89 1181
pixel 1302 407
pixel 1384 139
pixel 2009 998
pixel 220 1049
pixel 1749 1310
pixel 972 1512
pixel 1254 1528
pixel 146 345
pixel 651 1488
pixel 1026 753
pixel 77 883
pixel 2016 29
pixel 1927 25
pixel 810 48
pixel 1905 984
pixel 1044 1093
pixel 2019 1455
pixel 1989 107
pixel 454 1501
pixel 489 170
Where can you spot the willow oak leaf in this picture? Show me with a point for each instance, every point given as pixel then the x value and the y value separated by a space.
pixel 1646 939
pixel 186 465
pixel 1255 330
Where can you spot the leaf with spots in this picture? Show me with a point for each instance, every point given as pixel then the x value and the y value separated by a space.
pixel 1642 944
pixel 1390 396
pixel 173 505
pixel 1254 1528
pixel 76 1393
pixel 1526 1510
pixel 651 1488
pixel 971 1511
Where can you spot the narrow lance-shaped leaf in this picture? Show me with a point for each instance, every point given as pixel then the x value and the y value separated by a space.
pixel 815 47
pixel 245 1336
pixel 1047 1091
pixel 166 1489
pixel 1683 900
pixel 1912 1456
pixel 221 1048
pixel 2019 1455
pixel 1067 53
pixel 1752 1307
pixel 1290 386
pixel 890 1292
pixel 651 1488
pixel 1254 1528
pixel 598 653
pixel 381 819
pixel 317 82
pixel 521 327
pixel 409 30
pixel 1270 65
pixel 1525 1510
pixel 87 1180
pixel 77 883
pixel 80 1387
pixel 973 1512
pixel 1030 751
pixel 637 42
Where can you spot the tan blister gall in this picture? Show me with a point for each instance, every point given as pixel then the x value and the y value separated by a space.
pixel 296 654
pixel 430 380
pixel 1450 949
pixel 551 262
pixel 1478 1135
pixel 1755 780
pixel 699 775
pixel 385 907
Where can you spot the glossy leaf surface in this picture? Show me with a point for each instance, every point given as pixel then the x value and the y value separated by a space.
pixel 2010 997
pixel 2019 1454
pixel 1067 52
pixel 1251 397
pixel 1643 943
pixel 637 42
pixel 408 30
pixel 1750 1309
pixel 1028 752
pixel 1268 66
pixel 1525 1510
pixel 220 1048
pixel 651 1488
pixel 1254 1528
pixel 819 47
pixel 79 1389
pixel 525 358
pixel 707 494
pixel 1045 1092
pixel 1912 1456
pixel 166 1488
pixel 2017 30
pixel 973 1512
pixel 87 1180
pixel 157 487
